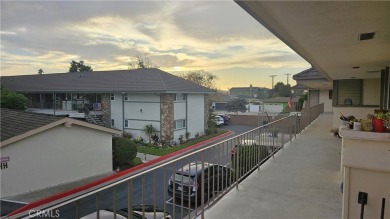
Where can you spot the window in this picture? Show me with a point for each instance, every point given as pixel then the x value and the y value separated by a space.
pixel 125 96
pixel 126 123
pixel 180 97
pixel 179 124
pixel 347 92
pixel 112 122
pixel 112 97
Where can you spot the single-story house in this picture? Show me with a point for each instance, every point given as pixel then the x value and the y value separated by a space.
pixel 278 104
pixel 127 100
pixel 40 151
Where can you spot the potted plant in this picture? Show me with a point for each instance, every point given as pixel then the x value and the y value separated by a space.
pixel 380 115
pixel 357 124
pixel 367 124
pixel 386 122
pixel 347 121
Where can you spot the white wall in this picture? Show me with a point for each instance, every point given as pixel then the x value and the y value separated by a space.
pixel 195 119
pixel 56 156
pixel 180 112
pixel 324 98
pixel 192 110
pixel 140 110
pixel 254 108
pixel 371 91
pixel 116 111
pixel 273 108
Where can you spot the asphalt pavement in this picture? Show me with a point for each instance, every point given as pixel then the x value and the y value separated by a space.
pixel 151 188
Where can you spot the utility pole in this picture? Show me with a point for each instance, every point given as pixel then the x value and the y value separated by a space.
pixel 272 76
pixel 288 74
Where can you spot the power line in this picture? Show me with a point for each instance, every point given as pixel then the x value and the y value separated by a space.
pixel 272 76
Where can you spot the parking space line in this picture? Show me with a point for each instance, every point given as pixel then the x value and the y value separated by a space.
pixel 170 201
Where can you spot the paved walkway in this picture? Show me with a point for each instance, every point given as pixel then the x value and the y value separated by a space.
pixel 301 182
pixel 146 157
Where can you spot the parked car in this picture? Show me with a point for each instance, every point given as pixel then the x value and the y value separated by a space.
pixel 218 120
pixel 187 182
pixel 137 213
pixel 225 118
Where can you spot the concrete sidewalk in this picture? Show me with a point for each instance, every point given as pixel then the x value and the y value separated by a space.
pixel 302 181
pixel 146 157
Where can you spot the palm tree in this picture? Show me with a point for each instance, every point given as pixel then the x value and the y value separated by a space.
pixel 149 131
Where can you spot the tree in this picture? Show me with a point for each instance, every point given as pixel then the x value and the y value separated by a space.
pixel 204 79
pixel 201 77
pixel 12 100
pixel 149 131
pixel 282 90
pixel 236 105
pixel 141 61
pixel 40 71
pixel 79 67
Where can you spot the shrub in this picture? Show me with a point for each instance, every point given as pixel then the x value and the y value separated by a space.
pixel 209 131
pixel 181 141
pixel 249 156
pixel 155 139
pixel 188 135
pixel 12 100
pixel 123 150
pixel 128 135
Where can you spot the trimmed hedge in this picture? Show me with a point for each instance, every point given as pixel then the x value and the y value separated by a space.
pixel 124 151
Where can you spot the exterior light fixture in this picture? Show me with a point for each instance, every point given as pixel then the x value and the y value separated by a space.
pixel 366 36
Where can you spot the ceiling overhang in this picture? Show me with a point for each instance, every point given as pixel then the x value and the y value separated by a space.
pixel 326 33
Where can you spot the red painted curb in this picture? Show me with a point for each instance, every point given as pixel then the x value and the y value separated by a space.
pixel 109 178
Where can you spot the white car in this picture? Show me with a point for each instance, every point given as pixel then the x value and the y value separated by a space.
pixel 219 120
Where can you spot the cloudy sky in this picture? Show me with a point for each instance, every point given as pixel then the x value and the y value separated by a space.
pixel 218 37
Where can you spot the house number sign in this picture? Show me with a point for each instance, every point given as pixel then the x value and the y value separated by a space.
pixel 4 162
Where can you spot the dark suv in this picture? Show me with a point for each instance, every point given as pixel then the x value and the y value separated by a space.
pixel 187 182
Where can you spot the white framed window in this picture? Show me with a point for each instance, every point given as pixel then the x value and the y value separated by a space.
pixel 180 97
pixel 179 124
pixel 125 97
pixel 126 123
pixel 112 122
pixel 112 97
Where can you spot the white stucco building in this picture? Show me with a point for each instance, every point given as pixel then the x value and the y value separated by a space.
pixel 40 151
pixel 127 100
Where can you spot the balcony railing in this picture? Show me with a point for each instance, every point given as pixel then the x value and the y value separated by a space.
pixel 183 185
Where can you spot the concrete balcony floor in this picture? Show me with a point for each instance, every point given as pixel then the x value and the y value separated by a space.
pixel 302 181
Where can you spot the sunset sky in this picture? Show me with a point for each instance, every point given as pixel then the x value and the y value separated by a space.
pixel 178 36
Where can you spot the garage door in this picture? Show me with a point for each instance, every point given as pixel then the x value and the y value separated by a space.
pixel 220 106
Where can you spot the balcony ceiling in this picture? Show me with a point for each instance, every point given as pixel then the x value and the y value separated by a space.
pixel 326 34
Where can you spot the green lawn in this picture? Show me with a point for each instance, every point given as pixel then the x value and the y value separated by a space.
pixel 160 151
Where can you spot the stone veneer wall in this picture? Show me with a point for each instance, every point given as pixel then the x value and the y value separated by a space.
pixel 207 104
pixel 167 116
pixel 106 117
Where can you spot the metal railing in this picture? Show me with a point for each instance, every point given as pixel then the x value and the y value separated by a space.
pixel 184 185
